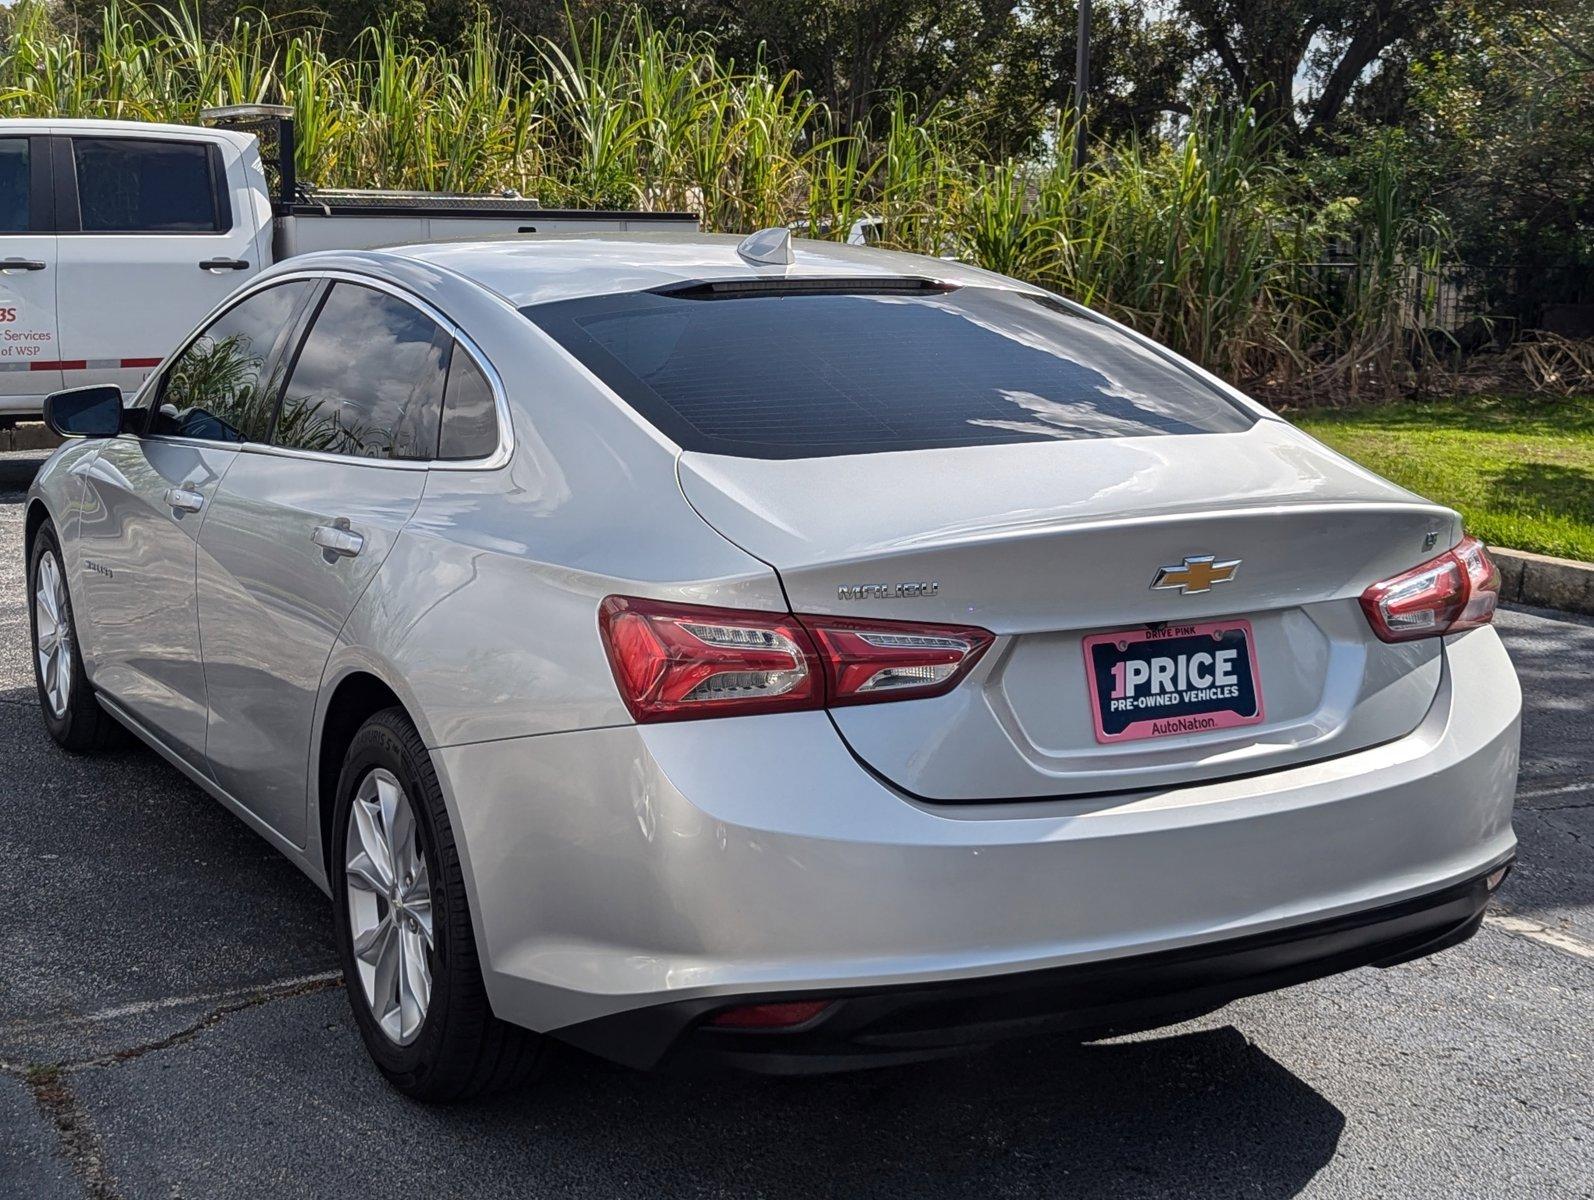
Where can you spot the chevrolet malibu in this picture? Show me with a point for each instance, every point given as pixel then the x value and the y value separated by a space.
pixel 790 657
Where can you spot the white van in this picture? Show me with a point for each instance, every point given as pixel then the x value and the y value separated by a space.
pixel 116 237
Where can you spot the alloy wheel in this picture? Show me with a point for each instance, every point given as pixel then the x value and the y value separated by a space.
pixel 52 634
pixel 390 906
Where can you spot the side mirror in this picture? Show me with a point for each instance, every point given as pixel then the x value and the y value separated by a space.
pixel 87 412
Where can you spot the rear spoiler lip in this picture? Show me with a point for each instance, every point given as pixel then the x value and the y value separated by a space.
pixel 805 285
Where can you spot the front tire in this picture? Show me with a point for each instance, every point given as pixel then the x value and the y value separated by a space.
pixel 403 927
pixel 71 713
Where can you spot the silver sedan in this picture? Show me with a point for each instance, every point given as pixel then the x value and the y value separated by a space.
pixel 789 657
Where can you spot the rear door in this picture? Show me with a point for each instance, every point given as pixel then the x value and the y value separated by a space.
pixel 155 232
pixel 148 496
pixel 29 360
pixel 299 530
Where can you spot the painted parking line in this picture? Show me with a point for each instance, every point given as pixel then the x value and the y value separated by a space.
pixel 1557 939
pixel 143 1007
pixel 1565 789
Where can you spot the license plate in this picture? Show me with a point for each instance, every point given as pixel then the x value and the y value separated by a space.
pixel 1173 681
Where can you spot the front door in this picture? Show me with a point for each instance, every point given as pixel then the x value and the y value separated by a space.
pixel 149 494
pixel 298 533
pixel 144 504
pixel 155 233
pixel 30 366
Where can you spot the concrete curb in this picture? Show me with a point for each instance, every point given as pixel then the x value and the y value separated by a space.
pixel 31 436
pixel 1540 581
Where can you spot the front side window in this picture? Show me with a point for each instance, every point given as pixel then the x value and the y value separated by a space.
pixel 841 367
pixel 223 387
pixel 15 211
pixel 138 185
pixel 368 381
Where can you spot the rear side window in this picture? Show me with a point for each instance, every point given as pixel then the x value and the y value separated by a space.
pixel 470 416
pixel 223 387
pixel 784 374
pixel 368 380
pixel 15 211
pixel 137 185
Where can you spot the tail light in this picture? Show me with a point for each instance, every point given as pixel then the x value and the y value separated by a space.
pixel 868 661
pixel 676 662
pixel 1458 590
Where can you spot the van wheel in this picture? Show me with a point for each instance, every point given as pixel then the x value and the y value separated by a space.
pixel 71 713
pixel 403 927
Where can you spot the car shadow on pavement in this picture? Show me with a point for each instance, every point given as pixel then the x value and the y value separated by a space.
pixel 1202 1112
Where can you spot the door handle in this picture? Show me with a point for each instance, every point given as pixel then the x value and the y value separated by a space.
pixel 222 264
pixel 9 265
pixel 184 499
pixel 338 539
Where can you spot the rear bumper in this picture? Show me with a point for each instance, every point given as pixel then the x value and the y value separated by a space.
pixel 620 870
pixel 1088 1000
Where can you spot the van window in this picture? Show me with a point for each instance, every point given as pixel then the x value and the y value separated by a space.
pixel 217 388
pixel 137 185
pixel 368 381
pixel 15 215
pixel 819 367
pixel 470 416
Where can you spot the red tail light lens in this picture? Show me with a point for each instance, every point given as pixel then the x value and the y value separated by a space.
pixel 870 661
pixel 1458 590
pixel 676 662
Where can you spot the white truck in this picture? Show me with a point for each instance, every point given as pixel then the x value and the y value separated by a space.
pixel 116 237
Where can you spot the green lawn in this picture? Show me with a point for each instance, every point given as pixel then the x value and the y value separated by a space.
pixel 1520 470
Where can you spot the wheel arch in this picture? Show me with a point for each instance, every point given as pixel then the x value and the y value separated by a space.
pixel 355 699
pixel 36 517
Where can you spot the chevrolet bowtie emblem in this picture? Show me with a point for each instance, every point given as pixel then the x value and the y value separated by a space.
pixel 1196 574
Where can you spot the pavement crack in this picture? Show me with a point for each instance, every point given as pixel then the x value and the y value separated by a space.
pixel 1555 808
pixel 77 1140
pixel 51 1088
pixel 211 1000
pixel 214 1016
pixel 265 994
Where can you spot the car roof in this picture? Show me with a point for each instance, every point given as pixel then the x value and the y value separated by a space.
pixel 121 128
pixel 545 268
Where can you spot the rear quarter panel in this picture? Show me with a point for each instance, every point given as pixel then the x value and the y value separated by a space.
pixel 485 613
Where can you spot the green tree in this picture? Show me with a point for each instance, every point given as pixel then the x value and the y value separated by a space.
pixel 1006 69
pixel 1300 61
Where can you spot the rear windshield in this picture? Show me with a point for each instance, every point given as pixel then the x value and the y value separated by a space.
pixel 807 374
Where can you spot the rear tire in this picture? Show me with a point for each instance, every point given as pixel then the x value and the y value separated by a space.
pixel 456 1048
pixel 66 698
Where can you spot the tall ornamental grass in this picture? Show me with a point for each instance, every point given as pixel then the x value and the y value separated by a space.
pixel 1209 241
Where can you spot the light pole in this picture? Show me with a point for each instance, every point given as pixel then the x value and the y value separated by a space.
pixel 1081 82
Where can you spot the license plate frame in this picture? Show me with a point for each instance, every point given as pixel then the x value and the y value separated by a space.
pixel 1124 708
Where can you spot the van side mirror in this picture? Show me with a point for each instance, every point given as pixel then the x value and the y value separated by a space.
pixel 86 412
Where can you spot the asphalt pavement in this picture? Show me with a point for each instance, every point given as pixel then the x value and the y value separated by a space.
pixel 171 1025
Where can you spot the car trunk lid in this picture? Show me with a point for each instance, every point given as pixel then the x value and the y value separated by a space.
pixel 1048 545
